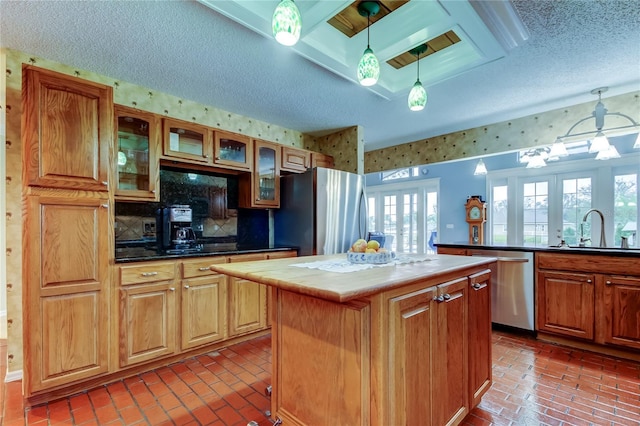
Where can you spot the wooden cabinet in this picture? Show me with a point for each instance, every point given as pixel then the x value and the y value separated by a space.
pixel 452 250
pixel 148 327
pixel 321 160
pixel 595 298
pixel 270 290
pixel 479 336
pixel 233 151
pixel 247 301
pixel 566 303
pixel 137 172
pixel 262 188
pixel 66 266
pixel 187 141
pixel 67 131
pixel 294 159
pixel 204 303
pixel 451 353
pixel 620 307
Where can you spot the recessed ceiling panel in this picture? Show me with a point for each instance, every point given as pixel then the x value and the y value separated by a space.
pixel 459 39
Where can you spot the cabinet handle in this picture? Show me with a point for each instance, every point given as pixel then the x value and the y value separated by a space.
pixel 172 289
pixel 204 268
pixel 149 274
pixel 186 286
pixel 475 286
pixel 105 206
pixel 105 183
pixel 205 155
pixel 607 282
pixel 447 296
pixel 588 281
pixel 439 299
pixel 153 191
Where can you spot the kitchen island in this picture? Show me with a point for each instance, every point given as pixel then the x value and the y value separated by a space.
pixel 401 344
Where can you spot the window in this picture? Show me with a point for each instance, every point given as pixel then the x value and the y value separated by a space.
pixel 400 174
pixel 371 211
pixel 576 201
pixel 625 209
pixel 535 213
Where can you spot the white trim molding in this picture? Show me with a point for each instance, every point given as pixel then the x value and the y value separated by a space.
pixel 13 376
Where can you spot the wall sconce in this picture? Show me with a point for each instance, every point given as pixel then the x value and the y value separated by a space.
pixel 599 141
pixel 286 23
pixel 481 169
pixel 368 67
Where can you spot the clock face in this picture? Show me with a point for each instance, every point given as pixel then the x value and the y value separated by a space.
pixel 474 213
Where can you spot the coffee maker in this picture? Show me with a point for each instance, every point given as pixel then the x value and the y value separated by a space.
pixel 173 228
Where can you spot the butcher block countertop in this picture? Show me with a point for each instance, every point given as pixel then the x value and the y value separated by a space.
pixel 345 286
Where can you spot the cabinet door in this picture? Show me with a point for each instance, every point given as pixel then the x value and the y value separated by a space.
pixel 479 336
pixel 566 303
pixel 321 160
pixel 233 151
pixel 247 306
pixel 294 159
pixel 452 388
pixel 203 310
pixel 262 187
pixel 412 334
pixel 66 267
pixel 147 322
pixel 187 141
pixel 67 130
pixel 137 166
pixel 621 307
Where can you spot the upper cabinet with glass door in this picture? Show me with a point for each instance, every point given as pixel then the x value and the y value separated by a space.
pixel 261 189
pixel 137 141
pixel 187 141
pixel 233 151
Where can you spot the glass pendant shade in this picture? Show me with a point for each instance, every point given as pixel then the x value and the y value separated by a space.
pixel 536 162
pixel 417 97
pixel 608 154
pixel 558 150
pixel 286 23
pixel 599 143
pixel 368 68
pixel 481 169
pixel 637 144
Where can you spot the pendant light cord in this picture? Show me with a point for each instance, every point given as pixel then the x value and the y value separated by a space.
pixel 418 66
pixel 368 25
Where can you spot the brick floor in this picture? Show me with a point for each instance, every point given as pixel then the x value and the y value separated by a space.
pixel 535 383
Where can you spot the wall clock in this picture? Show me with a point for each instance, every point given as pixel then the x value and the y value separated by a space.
pixel 476 216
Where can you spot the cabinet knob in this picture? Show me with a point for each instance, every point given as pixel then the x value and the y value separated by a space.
pixel 153 191
pixel 439 299
pixel 149 274
pixel 205 155
pixel 607 282
pixel 588 281
pixel 172 289
pixel 105 183
pixel 104 206
pixel 476 286
pixel 186 286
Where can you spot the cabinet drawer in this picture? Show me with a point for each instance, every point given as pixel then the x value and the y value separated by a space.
pixel 146 273
pixel 200 268
pixel 247 257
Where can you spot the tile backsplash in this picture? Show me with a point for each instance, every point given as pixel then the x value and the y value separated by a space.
pixel 212 198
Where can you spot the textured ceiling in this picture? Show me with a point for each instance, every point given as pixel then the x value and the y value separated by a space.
pixel 190 51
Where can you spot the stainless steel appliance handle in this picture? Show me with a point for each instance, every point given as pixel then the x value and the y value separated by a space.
pixel 362 201
pixel 512 260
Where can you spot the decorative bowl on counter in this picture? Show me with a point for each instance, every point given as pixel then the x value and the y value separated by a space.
pixel 377 258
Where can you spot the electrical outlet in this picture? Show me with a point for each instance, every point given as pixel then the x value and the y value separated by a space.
pixel 148 228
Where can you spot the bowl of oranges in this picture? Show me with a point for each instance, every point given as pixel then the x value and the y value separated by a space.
pixel 363 251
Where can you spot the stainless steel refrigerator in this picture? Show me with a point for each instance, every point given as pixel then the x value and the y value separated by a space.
pixel 322 211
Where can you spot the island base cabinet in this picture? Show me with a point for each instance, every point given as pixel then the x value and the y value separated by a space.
pixel 621 309
pixel 330 353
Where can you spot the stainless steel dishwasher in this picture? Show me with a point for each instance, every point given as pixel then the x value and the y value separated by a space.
pixel 512 298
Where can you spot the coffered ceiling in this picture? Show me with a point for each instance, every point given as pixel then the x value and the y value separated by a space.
pixel 334 36
pixel 514 58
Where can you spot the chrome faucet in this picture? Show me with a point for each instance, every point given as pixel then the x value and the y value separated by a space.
pixel 603 240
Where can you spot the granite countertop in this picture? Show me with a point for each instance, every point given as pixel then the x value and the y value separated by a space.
pixel 345 286
pixel 141 253
pixel 607 251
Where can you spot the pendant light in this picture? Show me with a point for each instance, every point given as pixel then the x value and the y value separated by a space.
pixel 368 67
pixel 418 96
pixel 481 169
pixel 558 150
pixel 286 23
